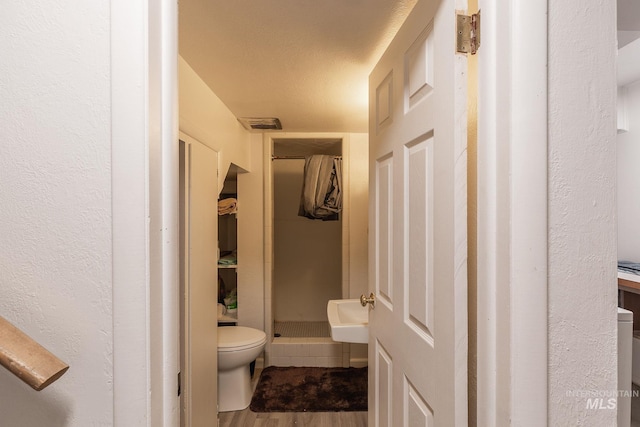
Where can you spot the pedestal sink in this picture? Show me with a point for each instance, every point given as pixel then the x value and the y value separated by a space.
pixel 349 320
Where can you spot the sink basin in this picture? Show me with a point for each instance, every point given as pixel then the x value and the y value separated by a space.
pixel 349 320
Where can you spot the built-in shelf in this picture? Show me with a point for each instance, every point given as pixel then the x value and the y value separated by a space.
pixel 228 317
pixel 629 282
pixel 227 244
pixel 629 296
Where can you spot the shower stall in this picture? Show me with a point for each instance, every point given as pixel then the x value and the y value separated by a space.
pixel 307 261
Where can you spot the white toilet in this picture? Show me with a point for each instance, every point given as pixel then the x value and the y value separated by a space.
pixel 238 346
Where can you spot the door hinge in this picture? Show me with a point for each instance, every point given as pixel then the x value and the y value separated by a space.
pixel 467 33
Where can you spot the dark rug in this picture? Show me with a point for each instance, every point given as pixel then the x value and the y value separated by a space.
pixel 294 389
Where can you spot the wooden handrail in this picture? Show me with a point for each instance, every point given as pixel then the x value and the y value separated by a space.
pixel 27 359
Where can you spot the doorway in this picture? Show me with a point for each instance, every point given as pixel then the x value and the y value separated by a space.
pixel 308 262
pixel 307 252
pixel 349 276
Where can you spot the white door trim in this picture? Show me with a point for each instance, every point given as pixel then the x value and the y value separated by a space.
pixel 512 214
pixel 529 214
pixel 163 169
pixel 129 131
pixel 144 61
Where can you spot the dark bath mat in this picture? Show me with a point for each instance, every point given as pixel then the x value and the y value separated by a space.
pixel 310 389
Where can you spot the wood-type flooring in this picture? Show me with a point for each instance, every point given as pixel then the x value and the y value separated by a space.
pixel 247 418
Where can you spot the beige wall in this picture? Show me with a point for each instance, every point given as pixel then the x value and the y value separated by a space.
pixel 357 244
pixel 354 224
pixel 356 247
pixel 251 260
pixel 205 118
pixel 307 253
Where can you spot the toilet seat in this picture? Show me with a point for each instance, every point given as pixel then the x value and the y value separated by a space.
pixel 236 338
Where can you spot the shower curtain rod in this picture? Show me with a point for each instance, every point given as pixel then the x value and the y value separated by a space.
pixel 295 157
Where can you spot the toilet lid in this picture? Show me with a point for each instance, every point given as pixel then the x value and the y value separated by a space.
pixel 239 337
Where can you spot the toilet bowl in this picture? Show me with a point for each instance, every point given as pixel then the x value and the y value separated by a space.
pixel 238 346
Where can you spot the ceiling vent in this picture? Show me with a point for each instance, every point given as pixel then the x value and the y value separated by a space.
pixel 260 123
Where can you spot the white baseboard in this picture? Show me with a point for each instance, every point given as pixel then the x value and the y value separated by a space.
pixel 358 362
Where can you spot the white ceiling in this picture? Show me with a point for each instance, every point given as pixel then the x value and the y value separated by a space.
pixel 306 62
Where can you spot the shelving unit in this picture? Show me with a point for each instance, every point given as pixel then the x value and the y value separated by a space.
pixel 629 298
pixel 227 244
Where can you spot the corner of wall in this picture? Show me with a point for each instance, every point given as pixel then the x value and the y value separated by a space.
pixel 581 209
pixel 251 258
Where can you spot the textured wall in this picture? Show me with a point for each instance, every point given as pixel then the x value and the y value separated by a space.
pixel 582 210
pixel 55 220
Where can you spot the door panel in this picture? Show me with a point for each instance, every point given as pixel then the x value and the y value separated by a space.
pixel 418 342
pixel 418 184
pixel 384 218
pixel 384 369
pixel 418 412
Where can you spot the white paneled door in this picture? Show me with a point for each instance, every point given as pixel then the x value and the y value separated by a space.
pixel 418 235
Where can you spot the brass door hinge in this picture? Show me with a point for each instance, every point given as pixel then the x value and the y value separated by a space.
pixel 467 33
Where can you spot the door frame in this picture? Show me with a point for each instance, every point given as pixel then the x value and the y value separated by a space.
pixel 144 126
pixel 144 108
pixel 512 214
